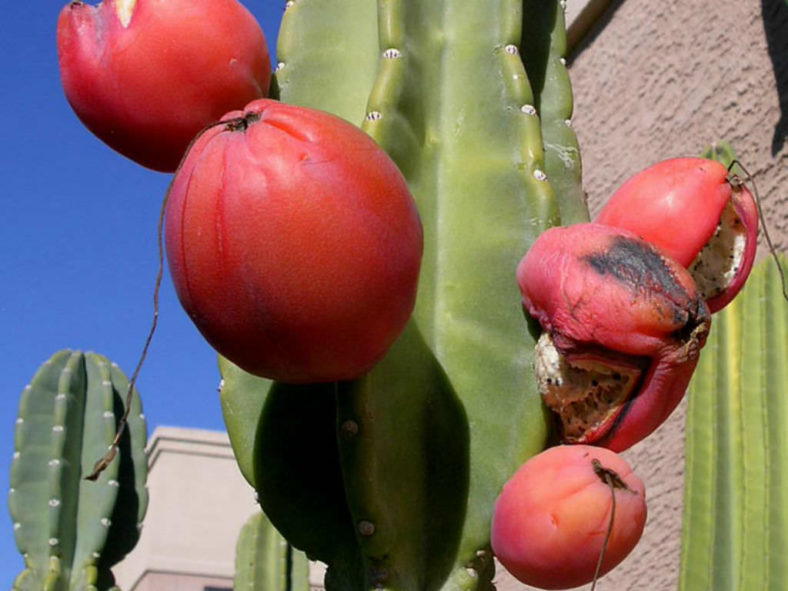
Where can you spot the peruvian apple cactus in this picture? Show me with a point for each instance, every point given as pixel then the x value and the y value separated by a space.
pixel 413 454
pixel 415 388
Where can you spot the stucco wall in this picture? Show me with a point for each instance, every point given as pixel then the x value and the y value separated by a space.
pixel 655 80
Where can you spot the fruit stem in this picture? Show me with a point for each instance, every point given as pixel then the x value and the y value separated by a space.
pixel 102 463
pixel 105 461
pixel 613 480
pixel 241 123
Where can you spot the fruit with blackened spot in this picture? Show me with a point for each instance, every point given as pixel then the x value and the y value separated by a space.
pixel 696 213
pixel 623 327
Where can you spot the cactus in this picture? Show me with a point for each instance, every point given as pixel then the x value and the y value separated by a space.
pixel 735 502
pixel 410 458
pixel 70 531
pixel 265 561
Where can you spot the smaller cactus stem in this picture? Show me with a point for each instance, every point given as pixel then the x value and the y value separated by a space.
pixel 265 561
pixel 735 500
pixel 71 532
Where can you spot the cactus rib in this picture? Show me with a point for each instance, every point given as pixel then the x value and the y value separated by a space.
pixel 327 54
pixel 403 439
pixel 264 561
pixel 734 524
pixel 544 54
pixel 288 437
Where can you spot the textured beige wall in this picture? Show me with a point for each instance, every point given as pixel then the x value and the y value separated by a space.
pixel 655 80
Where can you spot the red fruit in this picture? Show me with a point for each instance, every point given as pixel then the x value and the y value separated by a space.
pixel 551 519
pixel 293 243
pixel 623 325
pixel 697 214
pixel 146 75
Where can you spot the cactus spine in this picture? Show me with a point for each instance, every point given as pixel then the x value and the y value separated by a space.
pixel 265 561
pixel 71 531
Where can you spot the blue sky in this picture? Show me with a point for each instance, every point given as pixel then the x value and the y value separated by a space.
pixel 78 248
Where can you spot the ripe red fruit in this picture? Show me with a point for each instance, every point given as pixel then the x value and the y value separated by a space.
pixel 293 243
pixel 697 214
pixel 552 516
pixel 146 75
pixel 623 325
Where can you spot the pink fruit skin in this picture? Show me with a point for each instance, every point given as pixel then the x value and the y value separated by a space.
pixel 294 244
pixel 551 517
pixel 602 292
pixel 676 205
pixel 147 88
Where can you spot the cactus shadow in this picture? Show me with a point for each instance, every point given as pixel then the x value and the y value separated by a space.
pixel 607 10
pixel 298 474
pixel 409 437
pixel 775 24
pixel 123 533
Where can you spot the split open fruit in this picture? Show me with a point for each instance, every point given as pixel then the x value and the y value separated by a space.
pixel 696 213
pixel 146 75
pixel 623 328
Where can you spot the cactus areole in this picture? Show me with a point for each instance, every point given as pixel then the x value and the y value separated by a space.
pixel 146 75
pixel 623 325
pixel 293 243
pixel 697 214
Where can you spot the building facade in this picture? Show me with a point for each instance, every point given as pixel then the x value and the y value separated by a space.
pixel 198 503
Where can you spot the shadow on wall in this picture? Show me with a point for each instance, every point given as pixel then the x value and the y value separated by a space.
pixel 775 25
pixel 605 13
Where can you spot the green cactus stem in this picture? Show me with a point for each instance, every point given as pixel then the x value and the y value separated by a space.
pixel 735 523
pixel 265 561
pixel 71 531
pixel 722 152
pixel 327 54
pixel 453 106
pixel 412 456
pixel 544 54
